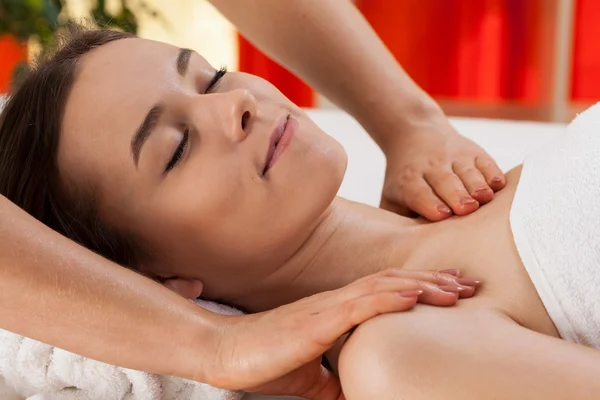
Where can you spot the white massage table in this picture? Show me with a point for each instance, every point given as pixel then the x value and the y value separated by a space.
pixel 507 141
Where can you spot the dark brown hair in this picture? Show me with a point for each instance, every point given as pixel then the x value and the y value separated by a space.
pixel 30 128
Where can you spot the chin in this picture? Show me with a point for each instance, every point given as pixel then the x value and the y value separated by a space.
pixel 327 176
pixel 342 162
pixel 335 162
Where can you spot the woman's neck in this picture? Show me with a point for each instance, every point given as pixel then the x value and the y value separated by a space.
pixel 352 241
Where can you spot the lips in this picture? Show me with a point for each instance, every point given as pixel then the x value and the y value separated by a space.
pixel 279 141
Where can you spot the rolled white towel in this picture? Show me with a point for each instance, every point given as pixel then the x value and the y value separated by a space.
pixel 33 370
pixel 554 220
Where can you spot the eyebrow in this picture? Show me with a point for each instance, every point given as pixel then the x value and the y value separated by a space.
pixel 144 131
pixel 147 126
pixel 183 61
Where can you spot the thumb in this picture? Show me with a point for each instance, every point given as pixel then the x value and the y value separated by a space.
pixel 325 387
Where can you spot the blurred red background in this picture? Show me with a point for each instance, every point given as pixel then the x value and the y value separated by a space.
pixel 12 53
pixel 486 51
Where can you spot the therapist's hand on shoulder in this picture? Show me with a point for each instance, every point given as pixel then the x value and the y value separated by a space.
pixel 435 172
pixel 278 352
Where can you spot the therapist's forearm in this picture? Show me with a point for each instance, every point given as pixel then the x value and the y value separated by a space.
pixel 55 291
pixel 329 44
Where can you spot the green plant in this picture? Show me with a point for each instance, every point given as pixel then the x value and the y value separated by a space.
pixel 126 19
pixel 39 19
pixel 25 19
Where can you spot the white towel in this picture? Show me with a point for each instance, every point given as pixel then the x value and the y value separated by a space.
pixel 36 371
pixel 555 220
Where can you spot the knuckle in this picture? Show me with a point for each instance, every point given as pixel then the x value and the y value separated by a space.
pixel 486 163
pixel 437 276
pixel 370 282
pixel 347 308
pixel 460 167
pixel 437 162
pixel 470 171
pixel 390 272
pixel 490 165
pixel 373 284
pixel 408 175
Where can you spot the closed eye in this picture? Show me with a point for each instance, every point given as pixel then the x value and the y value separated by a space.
pixel 178 151
pixel 216 78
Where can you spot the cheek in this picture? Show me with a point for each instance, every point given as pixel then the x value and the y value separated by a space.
pixel 218 222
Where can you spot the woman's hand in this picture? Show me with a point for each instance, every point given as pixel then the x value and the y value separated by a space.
pixel 435 172
pixel 278 352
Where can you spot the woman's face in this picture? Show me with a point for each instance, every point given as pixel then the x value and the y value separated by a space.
pixel 220 176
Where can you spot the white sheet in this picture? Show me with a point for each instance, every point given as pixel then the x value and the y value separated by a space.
pixel 507 141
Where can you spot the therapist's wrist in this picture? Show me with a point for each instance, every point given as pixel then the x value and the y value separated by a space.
pixel 390 121
pixel 195 345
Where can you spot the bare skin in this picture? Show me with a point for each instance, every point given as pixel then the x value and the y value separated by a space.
pixel 500 345
pixel 260 240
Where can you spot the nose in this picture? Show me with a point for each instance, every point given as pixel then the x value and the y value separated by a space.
pixel 232 113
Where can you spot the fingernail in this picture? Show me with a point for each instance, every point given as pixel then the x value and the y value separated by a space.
pixel 444 209
pixel 467 200
pixel 468 282
pixel 454 272
pixel 481 191
pixel 497 179
pixel 452 289
pixel 411 293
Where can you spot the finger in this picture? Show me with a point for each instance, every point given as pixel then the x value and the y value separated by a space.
pixel 398 279
pixel 437 286
pixel 335 321
pixel 444 295
pixel 474 182
pixel 391 281
pixel 466 287
pixel 419 197
pixel 451 281
pixel 491 172
pixel 453 272
pixel 444 283
pixel 437 277
pixel 470 287
pixel 452 191
pixel 375 284
pixel 325 387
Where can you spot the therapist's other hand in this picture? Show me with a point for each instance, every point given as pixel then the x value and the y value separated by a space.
pixel 435 172
pixel 278 352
